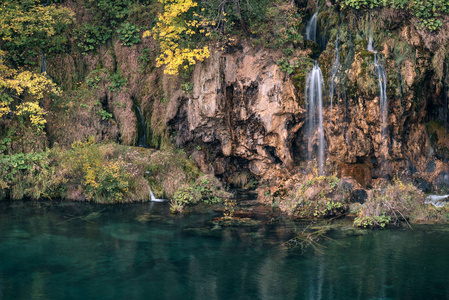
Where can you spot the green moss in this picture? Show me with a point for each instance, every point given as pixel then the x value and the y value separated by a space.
pixel 439 137
pixel 299 81
pixel 365 54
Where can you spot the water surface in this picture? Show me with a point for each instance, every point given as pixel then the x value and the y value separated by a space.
pixel 80 251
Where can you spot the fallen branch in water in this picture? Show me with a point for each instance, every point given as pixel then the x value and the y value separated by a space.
pixel 84 218
pixel 308 239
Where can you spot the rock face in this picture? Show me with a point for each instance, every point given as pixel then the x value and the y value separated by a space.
pixel 244 106
pixel 249 114
pixel 242 117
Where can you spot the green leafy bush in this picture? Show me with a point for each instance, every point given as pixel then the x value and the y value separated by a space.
pixel 287 67
pixel 104 114
pixel 90 36
pixel 206 189
pixel 393 204
pixel 117 82
pixel 129 34
pixel 429 13
pixel 27 175
pixel 105 172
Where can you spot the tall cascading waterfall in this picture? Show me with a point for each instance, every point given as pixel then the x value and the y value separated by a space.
pixel 311 27
pixel 370 37
pixel 44 63
pixel 335 69
pixel 446 91
pixel 383 101
pixel 382 78
pixel 142 132
pixel 314 95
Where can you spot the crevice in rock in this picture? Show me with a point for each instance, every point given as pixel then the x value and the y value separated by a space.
pixel 271 153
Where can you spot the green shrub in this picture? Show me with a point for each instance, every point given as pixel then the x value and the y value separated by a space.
pixel 117 82
pixel 396 203
pixel 105 172
pixel 129 34
pixel 90 36
pixel 28 175
pixel 206 189
pixel 429 13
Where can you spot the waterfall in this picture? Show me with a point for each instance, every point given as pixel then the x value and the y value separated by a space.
pixel 142 132
pixel 382 78
pixel 335 68
pixel 44 63
pixel 311 27
pixel 154 199
pixel 446 91
pixel 370 43
pixel 314 95
pixel 370 47
pixel 435 200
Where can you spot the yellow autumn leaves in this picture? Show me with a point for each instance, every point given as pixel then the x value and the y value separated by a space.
pixel 14 84
pixel 170 29
pixel 20 89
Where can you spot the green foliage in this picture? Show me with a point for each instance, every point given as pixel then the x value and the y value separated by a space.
pixel 429 13
pixel 129 34
pixel 187 87
pixel 27 27
pixel 277 25
pixel 4 144
pixel 105 172
pixel 313 197
pixel 104 114
pixel 206 189
pixel 94 78
pixel 27 175
pixel 287 67
pixel 372 221
pixel 392 204
pixel 90 36
pixel 113 11
pixel 146 59
pixel 117 82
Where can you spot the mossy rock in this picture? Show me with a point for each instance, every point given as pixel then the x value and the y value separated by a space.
pixel 439 138
pixel 316 51
pixel 367 54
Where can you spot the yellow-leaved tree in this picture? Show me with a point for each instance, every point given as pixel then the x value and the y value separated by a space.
pixel 14 84
pixel 26 25
pixel 175 30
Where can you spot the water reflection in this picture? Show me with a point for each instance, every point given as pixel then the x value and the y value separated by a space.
pixel 121 255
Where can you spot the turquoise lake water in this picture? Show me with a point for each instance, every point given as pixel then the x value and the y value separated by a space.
pixel 80 251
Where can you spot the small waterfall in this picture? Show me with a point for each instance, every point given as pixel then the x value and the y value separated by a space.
pixel 314 95
pixel 435 200
pixel 311 28
pixel 370 47
pixel 141 130
pixel 370 43
pixel 44 63
pixel 154 199
pixel 446 91
pixel 312 25
pixel 382 78
pixel 335 69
